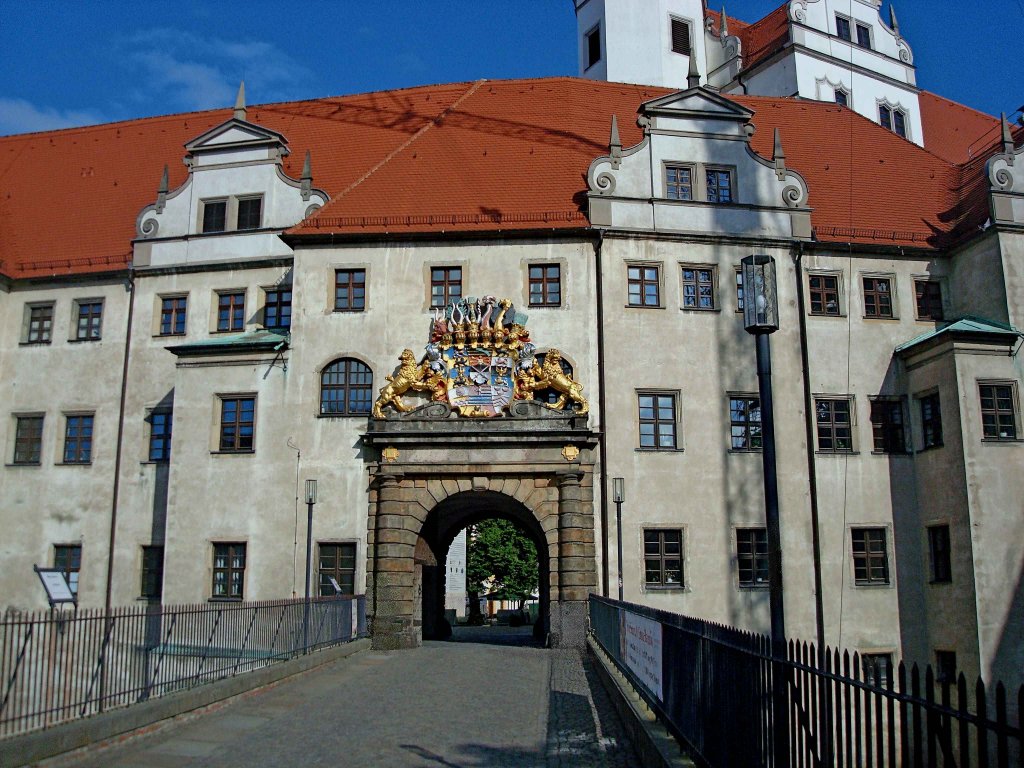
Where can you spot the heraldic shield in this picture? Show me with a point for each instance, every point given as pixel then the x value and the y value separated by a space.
pixel 479 359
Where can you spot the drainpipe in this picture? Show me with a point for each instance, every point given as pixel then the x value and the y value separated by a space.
pixel 602 444
pixel 120 435
pixel 812 477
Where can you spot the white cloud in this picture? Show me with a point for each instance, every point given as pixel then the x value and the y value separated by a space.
pixel 21 116
pixel 185 70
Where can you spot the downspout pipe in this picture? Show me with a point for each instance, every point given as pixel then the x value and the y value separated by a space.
pixel 120 440
pixel 812 476
pixel 602 444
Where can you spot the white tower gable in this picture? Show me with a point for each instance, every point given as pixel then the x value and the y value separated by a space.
pixel 648 43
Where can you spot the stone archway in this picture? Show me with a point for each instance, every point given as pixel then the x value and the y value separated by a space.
pixel 439 530
pixel 431 472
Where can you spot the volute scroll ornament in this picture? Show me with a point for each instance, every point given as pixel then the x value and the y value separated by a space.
pixel 478 361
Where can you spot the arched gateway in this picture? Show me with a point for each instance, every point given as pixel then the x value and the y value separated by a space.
pixel 480 448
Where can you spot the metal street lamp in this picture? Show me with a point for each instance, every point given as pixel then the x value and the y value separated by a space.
pixel 619 496
pixel 310 501
pixel 761 318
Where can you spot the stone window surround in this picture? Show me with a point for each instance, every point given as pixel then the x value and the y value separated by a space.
pixel 889 560
pixel 1014 403
pixel 840 291
pixel 678 414
pixel 715 303
pixel 68 415
pixel 320 387
pixel 698 181
pixel 216 423
pixel 735 395
pixel 215 309
pixel 432 264
pixel 332 307
pixel 684 585
pixel 13 446
pixel 75 305
pixel 337 541
pixel 660 267
pixel 261 311
pixel 562 265
pixel 895 107
pixel 690 27
pixel 893 295
pixel 158 301
pixel 26 323
pixel 230 213
pixel 854 442
pixel 231 544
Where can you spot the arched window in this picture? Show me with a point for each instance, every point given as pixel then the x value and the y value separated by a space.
pixel 346 388
pixel 549 395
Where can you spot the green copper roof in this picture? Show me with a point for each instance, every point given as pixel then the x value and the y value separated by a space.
pixel 260 339
pixel 964 325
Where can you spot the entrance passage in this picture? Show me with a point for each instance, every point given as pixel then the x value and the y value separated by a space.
pixel 443 524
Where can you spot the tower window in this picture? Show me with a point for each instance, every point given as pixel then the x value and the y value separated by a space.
pixel 680 37
pixel 894 120
pixel 593 46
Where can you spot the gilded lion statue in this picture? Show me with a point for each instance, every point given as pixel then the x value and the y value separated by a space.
pixel 550 374
pixel 411 375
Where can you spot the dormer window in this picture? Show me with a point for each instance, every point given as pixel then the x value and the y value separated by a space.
pixel 215 214
pixel 719 185
pixel 699 182
pixel 679 182
pixel 893 119
pixel 250 210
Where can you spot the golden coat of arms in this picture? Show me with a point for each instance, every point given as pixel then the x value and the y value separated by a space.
pixel 479 360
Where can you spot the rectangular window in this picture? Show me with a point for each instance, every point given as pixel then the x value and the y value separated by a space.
pixel 78 439
pixel 173 310
pixel 250 212
pixel 842 98
pixel 877 297
pixel 678 182
pixel 998 411
pixel 752 556
pixel 40 324
pixel 152 572
pixel 945 667
pixel 887 427
pixel 28 440
pixel 349 290
pixel 68 559
pixel 663 558
pixel 231 311
pixel 864 36
pixel 445 285
pixel 593 46
pixel 237 423
pixel 680 37
pixel 824 290
pixel 644 285
pixel 215 214
pixel 277 310
pixel 229 571
pixel 89 319
pixel 931 421
pixel 160 435
pixel 870 557
pixel 545 285
pixel 719 185
pixel 939 554
pixel 337 561
pixel 739 289
pixel 834 426
pixel 877 668
pixel 699 284
pixel 745 422
pixel 658 421
pixel 843 28
pixel 928 299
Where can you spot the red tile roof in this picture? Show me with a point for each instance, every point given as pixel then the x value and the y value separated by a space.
pixel 764 37
pixel 735 25
pixel 955 132
pixel 484 156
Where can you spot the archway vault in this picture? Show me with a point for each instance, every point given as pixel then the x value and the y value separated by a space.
pixel 431 476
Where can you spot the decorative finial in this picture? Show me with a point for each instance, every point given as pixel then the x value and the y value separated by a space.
pixel 240 102
pixel 779 156
pixel 723 27
pixel 892 20
pixel 161 191
pixel 693 76
pixel 307 178
pixel 615 144
pixel 1007 137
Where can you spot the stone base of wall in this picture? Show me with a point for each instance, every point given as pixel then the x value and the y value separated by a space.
pixel 568 624
pixel 394 634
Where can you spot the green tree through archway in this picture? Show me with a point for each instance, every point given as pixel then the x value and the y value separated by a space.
pixel 499 558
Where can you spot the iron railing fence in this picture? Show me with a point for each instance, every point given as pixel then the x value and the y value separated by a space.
pixel 711 685
pixel 57 666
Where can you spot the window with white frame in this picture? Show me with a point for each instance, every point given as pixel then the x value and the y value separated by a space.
pixel 893 119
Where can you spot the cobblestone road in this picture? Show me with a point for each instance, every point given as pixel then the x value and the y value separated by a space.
pixel 466 704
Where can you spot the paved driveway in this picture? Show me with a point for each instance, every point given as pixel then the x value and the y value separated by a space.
pixel 490 699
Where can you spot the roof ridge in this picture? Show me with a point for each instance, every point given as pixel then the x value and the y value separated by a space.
pixel 423 129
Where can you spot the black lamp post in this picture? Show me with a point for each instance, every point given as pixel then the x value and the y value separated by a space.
pixel 761 318
pixel 619 496
pixel 310 501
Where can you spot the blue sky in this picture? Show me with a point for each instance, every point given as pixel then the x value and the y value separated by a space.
pixel 73 63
